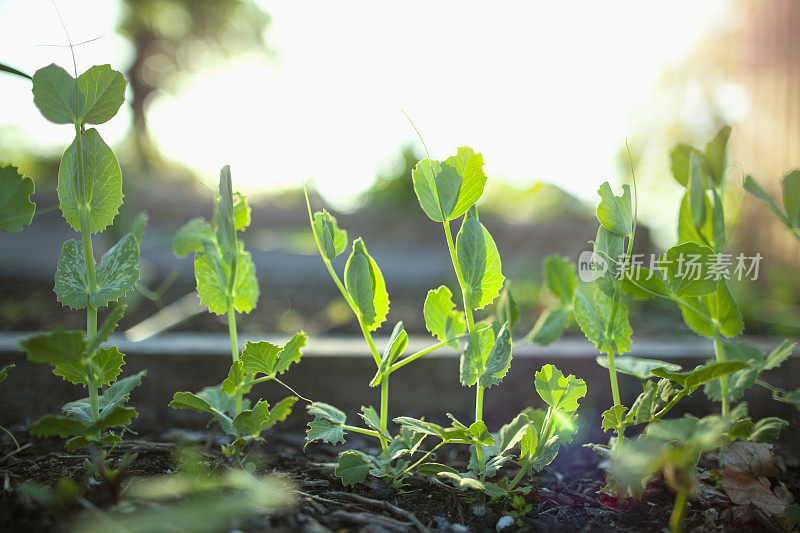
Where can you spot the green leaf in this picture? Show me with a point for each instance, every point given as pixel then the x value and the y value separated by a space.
pixel 16 208
pixel 224 222
pixel 560 278
pixel 101 177
pixel 108 362
pixel 442 319
pixel 280 411
pixel 221 402
pixel 791 197
pixel 716 154
pixel 680 156
pixel 718 305
pixel 332 239
pixel 550 326
pixel 192 237
pixel 234 380
pixel 71 279
pixel 469 166
pixel 327 425
pixel 472 362
pixel 641 282
pixel 702 374
pixel 365 285
pixel 54 93
pixel 371 417
pixel 432 187
pixel 251 422
pixel 615 212
pixel 767 429
pixel 353 467
pixel 117 416
pixel 614 418
pixel 592 318
pixel 117 271
pixel 188 400
pixel 777 356
pixel 270 359
pixel 696 192
pixel 505 310
pixel 638 367
pixel 718 216
pixel 120 391
pixel 103 92
pixel 559 392
pixel 687 231
pixel 755 189
pixel 57 426
pixel 394 349
pixel 479 262
pixel 4 372
pixel 608 247
pixel 241 212
pixel 687 269
pixel 499 359
pixel 55 347
pixel 212 282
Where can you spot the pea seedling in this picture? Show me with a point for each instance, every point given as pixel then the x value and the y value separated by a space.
pixel 226 283
pixel 90 195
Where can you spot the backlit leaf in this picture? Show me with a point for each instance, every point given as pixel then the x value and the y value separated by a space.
pixel 687 269
pixel 55 347
pixel 16 208
pixel 442 319
pixel 716 154
pixel 57 426
pixel 550 326
pixel 479 261
pixel 499 359
pixel 756 190
pixel 71 283
pixel 679 156
pixel 108 362
pixel 192 237
pixel 702 374
pixel 614 418
pixel 353 467
pixel 117 272
pixel 615 212
pixel 102 91
pixel 638 367
pixel 332 239
pixel 469 166
pixel 473 359
pixel 101 178
pixel 558 391
pixel 559 278
pixel 791 197
pixel 593 317
pixel 365 285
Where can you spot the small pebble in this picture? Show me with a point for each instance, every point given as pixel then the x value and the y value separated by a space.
pixel 505 522
pixel 459 528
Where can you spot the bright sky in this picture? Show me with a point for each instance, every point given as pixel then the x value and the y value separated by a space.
pixel 545 90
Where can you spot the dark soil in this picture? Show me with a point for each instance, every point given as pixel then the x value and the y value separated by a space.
pixel 564 499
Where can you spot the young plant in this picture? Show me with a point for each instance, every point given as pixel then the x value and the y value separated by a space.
pixel 226 283
pixel 90 195
pixel 692 275
pixel 602 315
pixel 365 292
pixel 671 447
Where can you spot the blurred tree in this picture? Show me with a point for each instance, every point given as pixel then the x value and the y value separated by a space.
pixel 394 192
pixel 171 37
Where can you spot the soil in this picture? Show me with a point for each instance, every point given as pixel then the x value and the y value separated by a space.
pixel 564 497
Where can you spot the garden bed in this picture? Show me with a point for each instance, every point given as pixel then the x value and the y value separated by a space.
pixel 565 498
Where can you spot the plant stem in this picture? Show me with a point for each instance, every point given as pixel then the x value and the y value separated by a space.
pixel 384 409
pixel 468 314
pixel 231 314
pixel 370 432
pixel 88 257
pixel 427 454
pixel 523 471
pixel 676 519
pixel 413 357
pixel 719 352
pixel 612 372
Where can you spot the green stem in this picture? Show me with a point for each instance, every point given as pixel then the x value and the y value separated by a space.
pixel 234 347
pixel 612 372
pixel 385 410
pixel 664 410
pixel 413 357
pixel 523 471
pixel 676 519
pixel 88 257
pixel 427 454
pixel 370 432
pixel 719 352
pixel 468 314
